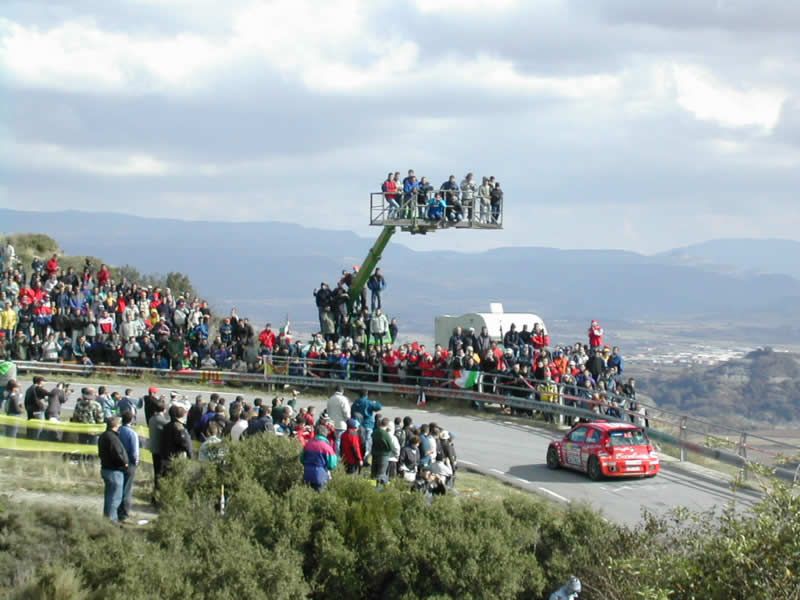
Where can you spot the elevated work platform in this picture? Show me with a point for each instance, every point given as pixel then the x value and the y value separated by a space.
pixel 416 214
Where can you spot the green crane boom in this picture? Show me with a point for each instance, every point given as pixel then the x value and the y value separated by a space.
pixel 369 264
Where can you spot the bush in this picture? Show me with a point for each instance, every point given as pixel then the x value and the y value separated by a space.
pixel 53 583
pixel 280 539
pixel 29 245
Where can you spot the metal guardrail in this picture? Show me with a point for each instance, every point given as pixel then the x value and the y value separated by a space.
pixel 407 213
pixel 661 425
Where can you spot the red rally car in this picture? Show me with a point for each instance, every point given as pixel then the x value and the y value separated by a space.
pixel 605 449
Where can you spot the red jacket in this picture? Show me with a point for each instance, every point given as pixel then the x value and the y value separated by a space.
pixel 389 187
pixel 595 336
pixel 103 275
pixel 52 266
pixel 267 339
pixel 540 341
pixel 352 450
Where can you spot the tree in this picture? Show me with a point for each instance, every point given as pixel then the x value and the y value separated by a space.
pixel 180 284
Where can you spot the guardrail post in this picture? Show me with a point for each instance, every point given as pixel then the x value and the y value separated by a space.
pixel 683 437
pixel 380 372
pixel 742 451
pixel 560 415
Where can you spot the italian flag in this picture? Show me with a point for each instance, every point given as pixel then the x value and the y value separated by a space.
pixel 466 379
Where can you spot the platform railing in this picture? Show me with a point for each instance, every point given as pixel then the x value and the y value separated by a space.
pixel 405 210
pixel 687 434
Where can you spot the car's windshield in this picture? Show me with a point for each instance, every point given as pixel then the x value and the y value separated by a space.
pixel 627 437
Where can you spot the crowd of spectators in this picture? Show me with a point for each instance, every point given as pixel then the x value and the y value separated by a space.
pixel 523 364
pixel 53 314
pixel 358 435
pixel 452 203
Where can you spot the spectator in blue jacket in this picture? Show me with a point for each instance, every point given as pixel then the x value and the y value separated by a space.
pixel 436 207
pixel 364 410
pixel 130 441
pixel 410 190
pixel 616 360
pixel 376 285
pixel 319 459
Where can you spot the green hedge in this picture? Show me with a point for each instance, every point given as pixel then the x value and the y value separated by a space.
pixel 279 539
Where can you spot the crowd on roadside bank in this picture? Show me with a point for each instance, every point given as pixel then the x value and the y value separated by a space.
pixel 57 315
pixel 352 437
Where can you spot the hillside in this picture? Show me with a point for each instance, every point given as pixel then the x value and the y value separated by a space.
pixel 30 245
pixel 269 269
pixel 763 386
pixel 740 256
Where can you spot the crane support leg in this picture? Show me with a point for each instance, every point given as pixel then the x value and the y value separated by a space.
pixel 369 264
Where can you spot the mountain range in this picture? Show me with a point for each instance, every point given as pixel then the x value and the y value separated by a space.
pixel 269 269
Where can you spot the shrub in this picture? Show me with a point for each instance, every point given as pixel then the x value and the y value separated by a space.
pixel 280 539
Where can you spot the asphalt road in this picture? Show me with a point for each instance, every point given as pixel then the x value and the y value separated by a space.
pixel 515 453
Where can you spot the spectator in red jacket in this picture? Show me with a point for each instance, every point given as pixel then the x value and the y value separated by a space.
pixel 52 265
pixel 103 276
pixel 539 337
pixel 352 448
pixel 267 339
pixel 595 335
pixel 389 189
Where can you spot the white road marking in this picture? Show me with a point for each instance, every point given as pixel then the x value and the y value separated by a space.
pixel 466 462
pixel 622 487
pixel 522 480
pixel 508 422
pixel 498 471
pixel 554 495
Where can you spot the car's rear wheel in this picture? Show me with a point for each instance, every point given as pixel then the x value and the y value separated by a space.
pixel 552 458
pixel 593 469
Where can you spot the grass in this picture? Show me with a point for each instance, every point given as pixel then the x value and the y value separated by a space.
pixel 475 485
pixel 50 473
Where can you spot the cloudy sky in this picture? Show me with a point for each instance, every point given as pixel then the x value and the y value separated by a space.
pixel 610 123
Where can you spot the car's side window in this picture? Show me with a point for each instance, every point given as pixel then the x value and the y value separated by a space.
pixel 579 435
pixel 593 437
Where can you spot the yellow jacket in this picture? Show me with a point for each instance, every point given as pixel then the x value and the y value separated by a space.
pixel 548 392
pixel 8 318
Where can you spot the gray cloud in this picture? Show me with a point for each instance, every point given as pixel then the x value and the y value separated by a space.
pixel 260 144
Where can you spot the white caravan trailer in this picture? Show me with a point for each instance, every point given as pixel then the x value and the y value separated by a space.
pixel 496 321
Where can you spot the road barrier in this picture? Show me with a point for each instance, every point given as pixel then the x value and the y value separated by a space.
pixel 67 438
pixel 688 434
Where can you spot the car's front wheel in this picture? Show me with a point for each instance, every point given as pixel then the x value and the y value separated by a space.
pixel 593 469
pixel 552 458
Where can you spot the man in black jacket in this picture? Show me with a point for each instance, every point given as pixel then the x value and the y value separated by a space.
pixel 35 405
pixel 323 297
pixel 511 339
pixel 150 399
pixel 113 465
pixel 175 439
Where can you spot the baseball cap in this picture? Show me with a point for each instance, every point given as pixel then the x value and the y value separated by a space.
pixel 152 390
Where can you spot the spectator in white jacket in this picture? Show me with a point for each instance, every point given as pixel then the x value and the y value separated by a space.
pixel 469 190
pixel 339 412
pixel 379 325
